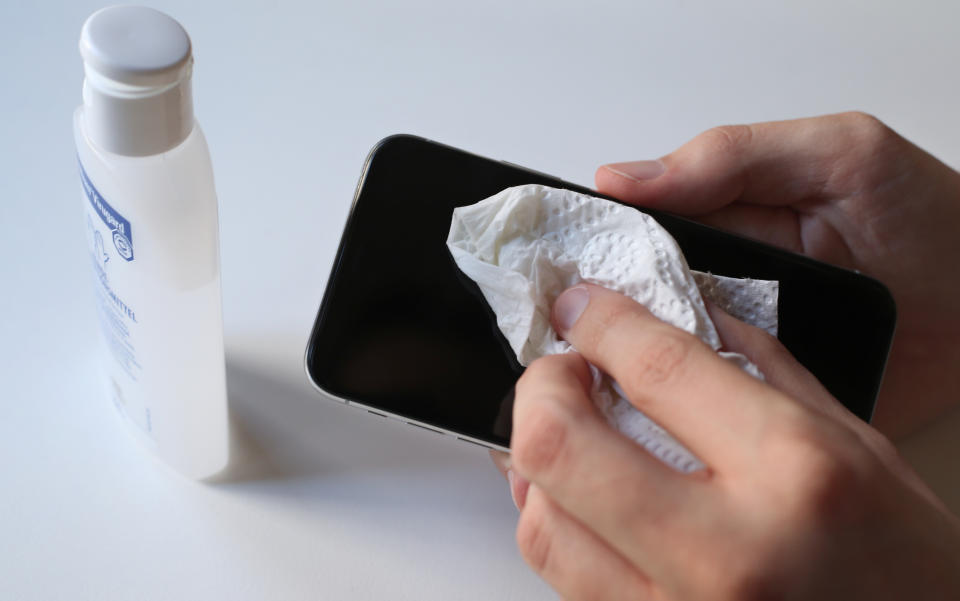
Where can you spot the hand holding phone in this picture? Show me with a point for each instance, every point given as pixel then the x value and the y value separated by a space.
pixel 848 190
pixel 801 501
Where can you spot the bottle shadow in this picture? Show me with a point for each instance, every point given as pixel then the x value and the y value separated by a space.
pixel 282 429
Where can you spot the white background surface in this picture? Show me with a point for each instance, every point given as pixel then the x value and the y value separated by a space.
pixel 324 502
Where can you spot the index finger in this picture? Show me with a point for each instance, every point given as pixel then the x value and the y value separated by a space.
pixel 714 408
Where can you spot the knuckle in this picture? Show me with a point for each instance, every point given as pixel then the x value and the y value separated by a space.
pixel 822 482
pixel 543 372
pixel 727 139
pixel 534 539
pixel 827 467
pixel 882 446
pixel 538 371
pixel 862 121
pixel 750 585
pixel 540 439
pixel 867 130
pixel 741 575
pixel 610 319
pixel 658 361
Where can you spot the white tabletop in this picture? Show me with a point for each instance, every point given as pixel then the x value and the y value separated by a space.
pixel 323 502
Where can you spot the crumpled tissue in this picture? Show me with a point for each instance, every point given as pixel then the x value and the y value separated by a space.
pixel 527 244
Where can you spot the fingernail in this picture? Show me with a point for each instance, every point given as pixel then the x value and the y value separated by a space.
pixel 518 489
pixel 638 171
pixel 570 305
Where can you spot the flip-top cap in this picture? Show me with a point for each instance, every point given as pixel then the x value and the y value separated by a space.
pixel 135 45
pixel 138 64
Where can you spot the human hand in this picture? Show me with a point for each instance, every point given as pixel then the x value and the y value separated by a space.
pixel 799 500
pixel 844 189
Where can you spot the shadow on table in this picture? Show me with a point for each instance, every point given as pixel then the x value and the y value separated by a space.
pixel 283 429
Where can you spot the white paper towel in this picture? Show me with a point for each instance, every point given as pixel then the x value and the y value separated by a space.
pixel 526 245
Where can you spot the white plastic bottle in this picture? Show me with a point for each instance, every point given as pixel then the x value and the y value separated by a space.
pixel 152 231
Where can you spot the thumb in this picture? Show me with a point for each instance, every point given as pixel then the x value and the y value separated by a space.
pixel 773 164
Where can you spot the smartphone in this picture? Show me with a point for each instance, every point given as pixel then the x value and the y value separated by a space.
pixel 402 333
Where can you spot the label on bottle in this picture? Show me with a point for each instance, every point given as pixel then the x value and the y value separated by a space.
pixel 110 246
pixel 120 231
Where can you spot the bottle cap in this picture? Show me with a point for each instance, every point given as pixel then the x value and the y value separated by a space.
pixel 136 91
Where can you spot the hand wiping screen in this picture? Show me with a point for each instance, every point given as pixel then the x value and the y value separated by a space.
pixel 527 244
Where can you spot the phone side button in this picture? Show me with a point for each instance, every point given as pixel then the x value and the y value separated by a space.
pixel 376 413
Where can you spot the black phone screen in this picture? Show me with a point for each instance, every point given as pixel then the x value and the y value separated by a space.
pixel 401 330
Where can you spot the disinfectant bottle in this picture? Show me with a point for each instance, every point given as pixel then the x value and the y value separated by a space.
pixel 152 232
